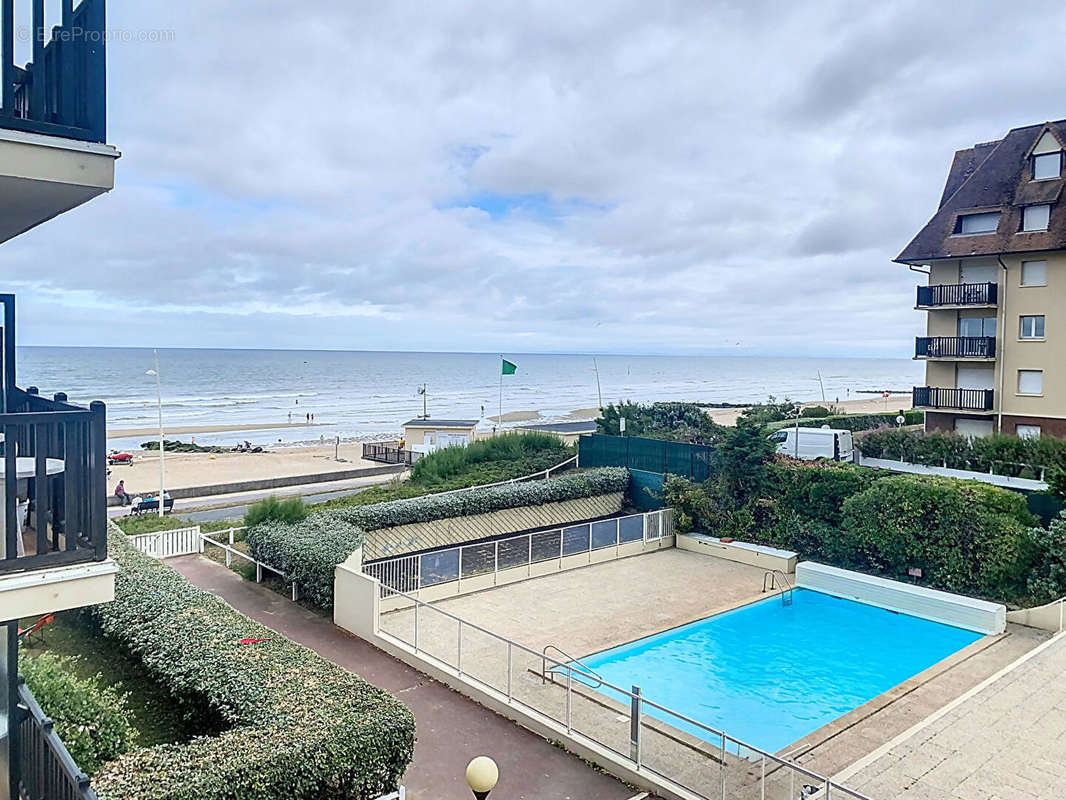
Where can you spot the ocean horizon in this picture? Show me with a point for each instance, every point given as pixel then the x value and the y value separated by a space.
pixel 367 394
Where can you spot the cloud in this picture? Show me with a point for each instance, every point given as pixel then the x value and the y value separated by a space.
pixel 618 177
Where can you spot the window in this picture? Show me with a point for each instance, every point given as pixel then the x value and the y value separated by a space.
pixel 1047 166
pixel 1028 431
pixel 1032 327
pixel 1034 273
pixel 977 326
pixel 1036 218
pixel 977 223
pixel 1030 381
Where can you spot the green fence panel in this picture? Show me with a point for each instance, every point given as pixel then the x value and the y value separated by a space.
pixel 1044 505
pixel 692 461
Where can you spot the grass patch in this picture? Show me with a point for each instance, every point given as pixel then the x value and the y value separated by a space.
pixel 154 714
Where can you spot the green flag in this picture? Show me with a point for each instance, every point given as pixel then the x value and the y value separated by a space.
pixel 509 368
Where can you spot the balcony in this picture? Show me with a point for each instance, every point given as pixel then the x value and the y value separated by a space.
pixel 955 347
pixel 980 400
pixel 42 765
pixel 958 295
pixel 53 118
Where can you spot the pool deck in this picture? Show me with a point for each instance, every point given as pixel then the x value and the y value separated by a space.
pixel 1001 741
pixel 594 608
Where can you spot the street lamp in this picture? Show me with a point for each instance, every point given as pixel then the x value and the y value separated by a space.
pixel 481 776
pixel 159 401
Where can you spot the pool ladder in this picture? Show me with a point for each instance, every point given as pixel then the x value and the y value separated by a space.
pixel 770 583
pixel 585 670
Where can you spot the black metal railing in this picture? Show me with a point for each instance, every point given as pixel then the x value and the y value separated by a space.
pixel 956 399
pixel 958 294
pixel 44 768
pixel 955 347
pixel 62 90
pixel 388 454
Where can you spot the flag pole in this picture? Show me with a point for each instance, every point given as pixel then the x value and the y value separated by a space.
pixel 499 419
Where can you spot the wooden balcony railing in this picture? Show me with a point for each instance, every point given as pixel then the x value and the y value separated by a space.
pixel 388 453
pixel 43 766
pixel 958 294
pixel 62 91
pixel 955 347
pixel 954 399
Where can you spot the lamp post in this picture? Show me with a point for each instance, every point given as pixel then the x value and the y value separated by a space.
pixel 481 776
pixel 159 402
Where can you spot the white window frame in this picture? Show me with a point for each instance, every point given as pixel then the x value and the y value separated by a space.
pixel 998 215
pixel 1031 333
pixel 1023 282
pixel 1030 372
pixel 1048 160
pixel 1045 217
pixel 1027 431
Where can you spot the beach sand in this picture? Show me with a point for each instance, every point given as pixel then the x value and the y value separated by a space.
pixel 871 405
pixel 202 469
pixel 153 433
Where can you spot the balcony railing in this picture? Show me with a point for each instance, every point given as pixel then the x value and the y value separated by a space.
pixel 955 347
pixel 62 90
pixel 44 768
pixel 958 294
pixel 954 399
pixel 53 486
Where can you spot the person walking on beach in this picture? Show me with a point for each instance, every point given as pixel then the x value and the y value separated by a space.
pixel 120 493
pixel 290 418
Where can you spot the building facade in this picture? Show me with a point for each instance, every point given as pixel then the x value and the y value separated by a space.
pixel 995 294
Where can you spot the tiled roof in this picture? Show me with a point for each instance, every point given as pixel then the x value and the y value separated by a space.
pixel 993 176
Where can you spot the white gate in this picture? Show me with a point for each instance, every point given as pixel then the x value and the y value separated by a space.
pixel 165 544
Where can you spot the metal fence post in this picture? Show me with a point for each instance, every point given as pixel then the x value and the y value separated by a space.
pixel 229 555
pixel 509 667
pixel 459 650
pixel 569 696
pixel 417 604
pixel 295 592
pixel 459 577
pixel 496 564
pixel 529 562
pixel 418 573
pixel 635 711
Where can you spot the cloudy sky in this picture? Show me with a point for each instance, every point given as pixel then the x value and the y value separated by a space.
pixel 706 177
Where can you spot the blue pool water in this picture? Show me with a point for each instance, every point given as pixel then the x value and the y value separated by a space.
pixel 769 674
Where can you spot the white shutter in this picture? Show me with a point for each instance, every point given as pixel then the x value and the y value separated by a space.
pixel 1030 381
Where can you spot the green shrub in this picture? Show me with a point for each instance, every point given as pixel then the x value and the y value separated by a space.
pixel 301 727
pixel 448 462
pixel 674 422
pixel 310 551
pixel 818 490
pixel 1002 454
pixel 770 411
pixel 860 422
pixel 814 411
pixel 90 719
pixel 290 510
pixel 1047 580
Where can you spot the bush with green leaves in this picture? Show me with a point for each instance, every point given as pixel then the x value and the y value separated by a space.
pixel 674 422
pixel 857 422
pixel 290 510
pixel 770 411
pixel 1047 579
pixel 298 726
pixel 814 411
pixel 90 718
pixel 441 465
pixel 308 552
pixel 1002 454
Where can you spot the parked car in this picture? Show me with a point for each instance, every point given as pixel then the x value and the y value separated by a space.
pixel 114 458
pixel 811 444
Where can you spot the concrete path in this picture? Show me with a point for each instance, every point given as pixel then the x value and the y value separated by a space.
pixel 451 729
pixel 1003 740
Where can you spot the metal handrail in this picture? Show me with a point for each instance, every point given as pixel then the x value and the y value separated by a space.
pixel 589 671
pixel 772 575
pixel 630 696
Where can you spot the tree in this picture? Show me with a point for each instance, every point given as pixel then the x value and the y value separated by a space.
pixel 742 455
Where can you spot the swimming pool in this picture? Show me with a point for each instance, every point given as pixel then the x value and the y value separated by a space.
pixel 769 673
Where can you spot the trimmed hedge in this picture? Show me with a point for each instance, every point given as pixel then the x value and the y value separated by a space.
pixel 856 422
pixel 91 719
pixel 308 552
pixel 300 726
pixel 1004 454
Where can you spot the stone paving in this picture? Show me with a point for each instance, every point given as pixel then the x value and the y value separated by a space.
pixel 1003 742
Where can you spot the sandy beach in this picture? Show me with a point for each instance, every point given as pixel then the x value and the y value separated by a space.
pixel 192 430
pixel 871 405
pixel 201 469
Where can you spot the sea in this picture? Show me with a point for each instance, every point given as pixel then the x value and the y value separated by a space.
pixel 364 395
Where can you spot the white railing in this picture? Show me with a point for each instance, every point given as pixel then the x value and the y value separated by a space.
pixel 399 794
pixel 416 571
pixel 169 543
pixel 679 751
pixel 543 474
pixel 229 546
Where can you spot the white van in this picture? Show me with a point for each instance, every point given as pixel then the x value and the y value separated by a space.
pixel 814 443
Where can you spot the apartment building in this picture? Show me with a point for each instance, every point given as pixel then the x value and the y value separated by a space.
pixel 994 257
pixel 53 511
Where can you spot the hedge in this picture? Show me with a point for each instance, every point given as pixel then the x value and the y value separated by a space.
pixel 856 422
pixel 298 725
pixel 90 719
pixel 308 552
pixel 1004 454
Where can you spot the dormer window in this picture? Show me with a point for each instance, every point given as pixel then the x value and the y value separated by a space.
pixel 977 223
pixel 1048 165
pixel 1036 218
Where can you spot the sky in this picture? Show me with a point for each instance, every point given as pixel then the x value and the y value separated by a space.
pixel 627 177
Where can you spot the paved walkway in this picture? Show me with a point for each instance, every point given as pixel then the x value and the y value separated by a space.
pixel 451 729
pixel 1002 741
